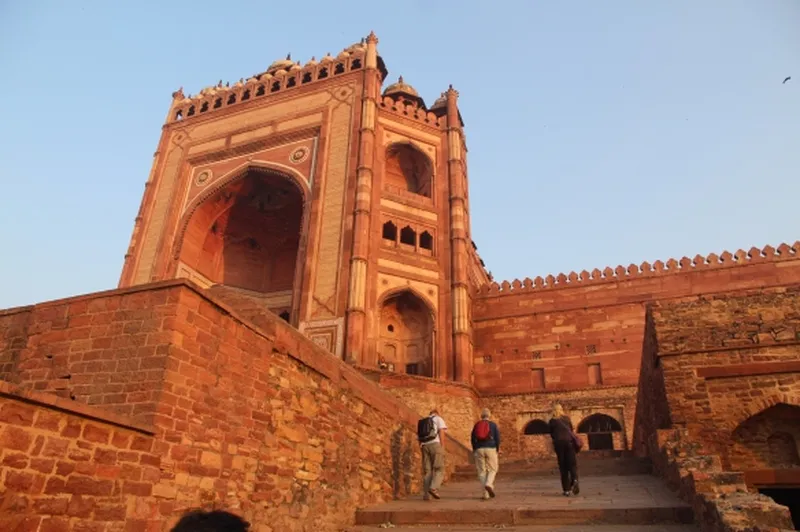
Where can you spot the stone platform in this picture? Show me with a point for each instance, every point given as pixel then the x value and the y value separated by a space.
pixel 631 502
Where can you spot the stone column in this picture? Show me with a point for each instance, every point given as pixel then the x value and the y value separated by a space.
pixel 359 261
pixel 462 344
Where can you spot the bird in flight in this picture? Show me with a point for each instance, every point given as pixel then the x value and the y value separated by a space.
pixel 787 79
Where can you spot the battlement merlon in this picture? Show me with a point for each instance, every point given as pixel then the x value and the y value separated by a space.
pixel 288 74
pixel 784 252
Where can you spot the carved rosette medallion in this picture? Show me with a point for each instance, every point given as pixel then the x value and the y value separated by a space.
pixel 299 155
pixel 202 177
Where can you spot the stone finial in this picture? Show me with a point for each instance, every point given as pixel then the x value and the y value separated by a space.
pixel 372 38
pixel 289 57
pixel 178 94
pixel 451 92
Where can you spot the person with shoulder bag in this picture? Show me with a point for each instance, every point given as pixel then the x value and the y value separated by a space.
pixel 566 444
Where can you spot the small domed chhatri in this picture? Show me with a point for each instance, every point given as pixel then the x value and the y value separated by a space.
pixel 402 90
pixel 281 64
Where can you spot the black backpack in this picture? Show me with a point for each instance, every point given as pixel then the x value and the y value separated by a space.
pixel 426 430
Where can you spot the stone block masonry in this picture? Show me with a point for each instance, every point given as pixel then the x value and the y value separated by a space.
pixel 67 466
pixel 254 419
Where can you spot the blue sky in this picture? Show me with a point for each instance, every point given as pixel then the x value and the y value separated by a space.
pixel 600 133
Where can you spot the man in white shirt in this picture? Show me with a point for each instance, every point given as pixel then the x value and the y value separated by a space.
pixel 432 445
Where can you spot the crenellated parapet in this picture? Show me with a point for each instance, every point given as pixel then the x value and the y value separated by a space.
pixel 784 252
pixel 411 112
pixel 281 76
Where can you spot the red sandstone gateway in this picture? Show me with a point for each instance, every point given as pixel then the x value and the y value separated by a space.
pixel 302 283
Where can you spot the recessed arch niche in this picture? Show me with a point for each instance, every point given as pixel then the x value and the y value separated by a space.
pixel 247 235
pixel 406 339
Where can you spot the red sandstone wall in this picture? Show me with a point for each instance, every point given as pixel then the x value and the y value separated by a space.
pixel 552 323
pixel 66 466
pixel 513 412
pixel 564 344
pixel 106 349
pixel 13 338
pixel 252 418
pixel 731 367
pixel 457 403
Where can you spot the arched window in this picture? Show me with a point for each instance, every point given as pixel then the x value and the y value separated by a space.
pixel 426 241
pixel 408 236
pixel 408 169
pixel 390 231
pixel 537 426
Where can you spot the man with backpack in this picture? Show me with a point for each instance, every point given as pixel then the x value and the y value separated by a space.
pixel 431 435
pixel 485 447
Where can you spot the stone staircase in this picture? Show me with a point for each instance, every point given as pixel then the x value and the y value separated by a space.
pixel 617 494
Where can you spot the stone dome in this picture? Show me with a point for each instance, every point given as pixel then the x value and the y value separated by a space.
pixel 401 89
pixel 281 64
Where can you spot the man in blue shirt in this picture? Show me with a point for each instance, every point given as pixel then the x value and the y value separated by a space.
pixel 485 447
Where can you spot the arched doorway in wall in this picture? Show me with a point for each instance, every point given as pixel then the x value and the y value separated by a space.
pixel 246 237
pixel 408 169
pixel 600 429
pixel 406 335
pixel 766 442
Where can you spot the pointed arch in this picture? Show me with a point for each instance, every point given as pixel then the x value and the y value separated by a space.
pixel 406 327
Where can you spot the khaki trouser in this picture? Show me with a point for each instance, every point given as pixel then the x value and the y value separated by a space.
pixel 486 464
pixel 432 466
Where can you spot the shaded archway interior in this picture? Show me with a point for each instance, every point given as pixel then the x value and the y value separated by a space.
pixel 406 335
pixel 247 235
pixel 408 169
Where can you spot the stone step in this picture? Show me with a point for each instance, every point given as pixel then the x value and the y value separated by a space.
pixel 587 467
pixel 629 500
pixel 526 528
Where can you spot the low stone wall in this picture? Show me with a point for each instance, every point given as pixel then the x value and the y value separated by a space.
pixel 457 403
pixel 720 499
pixel 255 419
pixel 687 460
pixel 68 466
pixel 514 412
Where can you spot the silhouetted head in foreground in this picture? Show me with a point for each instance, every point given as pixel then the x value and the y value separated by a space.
pixel 214 521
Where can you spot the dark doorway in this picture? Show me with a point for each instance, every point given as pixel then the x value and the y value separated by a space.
pixel 789 497
pixel 601 442
pixel 600 430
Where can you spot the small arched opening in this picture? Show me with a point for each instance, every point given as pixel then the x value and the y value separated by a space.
pixel 408 169
pixel 600 429
pixel 767 440
pixel 537 427
pixel 406 335
pixel 246 236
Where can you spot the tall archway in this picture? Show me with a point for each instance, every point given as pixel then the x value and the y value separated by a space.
pixel 246 236
pixel 406 335
pixel 408 169
pixel 600 429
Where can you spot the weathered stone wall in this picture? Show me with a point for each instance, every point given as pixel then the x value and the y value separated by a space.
pixel 67 466
pixel 574 349
pixel 106 349
pixel 13 337
pixel 727 358
pixel 562 324
pixel 256 418
pixel 514 412
pixel 688 462
pixel 458 404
